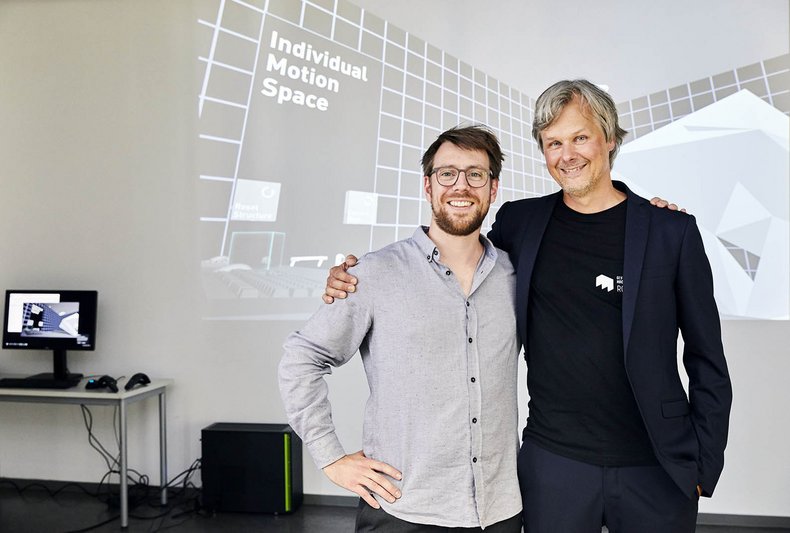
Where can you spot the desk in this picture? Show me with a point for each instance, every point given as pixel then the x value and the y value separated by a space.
pixel 121 399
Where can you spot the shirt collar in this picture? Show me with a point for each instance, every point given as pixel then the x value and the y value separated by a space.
pixel 431 252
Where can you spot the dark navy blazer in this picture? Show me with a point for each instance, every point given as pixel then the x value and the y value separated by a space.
pixel 667 287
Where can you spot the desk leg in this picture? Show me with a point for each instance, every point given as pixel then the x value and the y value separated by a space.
pixel 124 465
pixel 163 447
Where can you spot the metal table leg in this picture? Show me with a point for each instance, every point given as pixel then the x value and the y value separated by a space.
pixel 124 481
pixel 163 447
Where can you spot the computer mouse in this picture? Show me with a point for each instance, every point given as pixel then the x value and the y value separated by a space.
pixel 137 379
pixel 102 382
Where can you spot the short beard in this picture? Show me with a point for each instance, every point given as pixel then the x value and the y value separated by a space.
pixel 580 191
pixel 457 228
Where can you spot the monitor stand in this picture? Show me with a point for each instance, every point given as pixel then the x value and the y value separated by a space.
pixel 61 378
pixel 50 381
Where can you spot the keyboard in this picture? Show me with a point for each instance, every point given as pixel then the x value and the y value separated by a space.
pixel 27 383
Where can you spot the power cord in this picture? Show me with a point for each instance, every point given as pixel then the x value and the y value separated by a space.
pixel 140 490
pixel 184 497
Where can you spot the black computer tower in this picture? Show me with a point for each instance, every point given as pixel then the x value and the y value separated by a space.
pixel 254 468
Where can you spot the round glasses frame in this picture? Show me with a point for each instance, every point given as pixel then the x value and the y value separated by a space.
pixel 475 177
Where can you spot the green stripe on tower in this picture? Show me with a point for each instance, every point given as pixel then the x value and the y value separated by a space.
pixel 287 463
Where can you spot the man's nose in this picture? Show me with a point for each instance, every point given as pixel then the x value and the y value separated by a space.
pixel 568 151
pixel 461 183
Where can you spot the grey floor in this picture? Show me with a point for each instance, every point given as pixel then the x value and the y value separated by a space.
pixel 36 511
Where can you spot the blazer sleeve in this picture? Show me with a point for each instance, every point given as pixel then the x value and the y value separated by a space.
pixel 710 390
pixel 499 234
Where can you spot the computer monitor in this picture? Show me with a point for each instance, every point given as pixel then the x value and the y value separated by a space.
pixel 57 320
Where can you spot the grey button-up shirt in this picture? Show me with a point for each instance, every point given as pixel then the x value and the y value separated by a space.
pixel 442 371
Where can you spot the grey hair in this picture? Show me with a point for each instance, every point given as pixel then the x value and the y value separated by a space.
pixel 554 99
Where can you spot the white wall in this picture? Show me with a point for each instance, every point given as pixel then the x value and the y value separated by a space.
pixel 96 107
pixel 97 115
pixel 635 47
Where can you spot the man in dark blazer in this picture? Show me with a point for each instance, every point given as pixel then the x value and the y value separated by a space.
pixel 605 282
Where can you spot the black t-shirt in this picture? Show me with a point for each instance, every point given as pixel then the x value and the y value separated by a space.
pixel 581 403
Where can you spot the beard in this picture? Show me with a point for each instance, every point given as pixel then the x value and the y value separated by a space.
pixel 579 187
pixel 578 190
pixel 460 227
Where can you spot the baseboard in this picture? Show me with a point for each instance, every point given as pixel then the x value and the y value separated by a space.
pixel 706 519
pixel 89 486
pixel 331 501
pixel 740 520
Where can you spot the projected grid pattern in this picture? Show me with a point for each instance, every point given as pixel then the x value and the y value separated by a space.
pixel 424 91
pixel 769 79
pixel 224 103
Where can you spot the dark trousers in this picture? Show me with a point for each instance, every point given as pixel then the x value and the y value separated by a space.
pixel 370 519
pixel 561 494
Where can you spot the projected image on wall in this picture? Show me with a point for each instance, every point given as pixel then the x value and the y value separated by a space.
pixel 312 125
pixel 314 116
pixel 729 164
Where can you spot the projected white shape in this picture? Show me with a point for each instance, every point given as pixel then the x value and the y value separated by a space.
pixel 317 259
pixel 361 207
pixel 255 201
pixel 728 165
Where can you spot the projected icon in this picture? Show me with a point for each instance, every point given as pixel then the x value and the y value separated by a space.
pixel 361 208
pixel 255 201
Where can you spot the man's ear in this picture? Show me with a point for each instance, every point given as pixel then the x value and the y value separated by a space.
pixel 494 189
pixel 426 187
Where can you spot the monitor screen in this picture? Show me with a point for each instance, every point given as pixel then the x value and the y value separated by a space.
pixel 50 320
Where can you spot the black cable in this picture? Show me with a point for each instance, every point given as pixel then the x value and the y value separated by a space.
pixel 94 526
pixel 139 490
pixel 179 501
pixel 111 460
pixel 51 493
pixel 87 417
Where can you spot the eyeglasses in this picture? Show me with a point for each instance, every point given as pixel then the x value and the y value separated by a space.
pixel 475 177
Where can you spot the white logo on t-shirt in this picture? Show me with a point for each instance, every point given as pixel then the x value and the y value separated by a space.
pixel 604 282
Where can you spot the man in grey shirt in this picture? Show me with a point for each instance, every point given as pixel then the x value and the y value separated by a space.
pixel 436 330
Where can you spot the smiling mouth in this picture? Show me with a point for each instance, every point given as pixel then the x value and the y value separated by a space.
pixel 460 203
pixel 569 171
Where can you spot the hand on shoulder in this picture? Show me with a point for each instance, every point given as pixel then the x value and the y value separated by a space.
pixel 339 282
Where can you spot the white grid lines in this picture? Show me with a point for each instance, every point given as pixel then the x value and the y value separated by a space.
pixel 688 99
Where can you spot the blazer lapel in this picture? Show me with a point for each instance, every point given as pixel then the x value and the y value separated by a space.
pixel 637 223
pixel 533 234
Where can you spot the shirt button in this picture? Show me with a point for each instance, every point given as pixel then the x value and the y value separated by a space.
pixel 474 459
pixel 473 380
pixel 448 272
pixel 467 304
pixel 474 421
pixel 470 340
